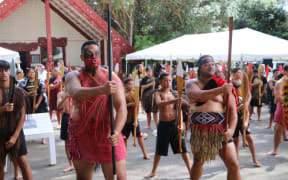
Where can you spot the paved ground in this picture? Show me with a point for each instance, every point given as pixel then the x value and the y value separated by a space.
pixel 171 167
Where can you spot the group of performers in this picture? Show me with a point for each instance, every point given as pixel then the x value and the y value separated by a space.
pixel 206 102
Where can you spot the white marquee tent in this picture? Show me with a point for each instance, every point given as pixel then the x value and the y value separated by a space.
pixel 8 55
pixel 247 45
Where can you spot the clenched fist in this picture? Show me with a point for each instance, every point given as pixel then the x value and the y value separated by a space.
pixel 110 87
pixel 227 88
pixel 8 107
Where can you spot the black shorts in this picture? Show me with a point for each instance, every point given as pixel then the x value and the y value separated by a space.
pixel 64 126
pixel 22 148
pixel 272 105
pixel 255 102
pixel 167 132
pixel 239 127
pixel 129 128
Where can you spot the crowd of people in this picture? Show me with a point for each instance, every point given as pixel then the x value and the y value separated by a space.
pixel 214 111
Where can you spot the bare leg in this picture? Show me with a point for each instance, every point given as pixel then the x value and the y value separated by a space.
pixel 125 141
pixel 71 166
pixel 142 146
pixel 107 169
pixel 25 168
pixel 236 142
pixel 16 169
pixel 251 144
pixel 228 155
pixel 59 115
pixel 155 165
pixel 51 114
pixel 259 113
pixel 155 117
pixel 278 130
pixel 251 109
pixel 284 135
pixel 2 167
pixel 187 161
pixel 270 121
pixel 148 115
pixel 197 168
pixel 84 170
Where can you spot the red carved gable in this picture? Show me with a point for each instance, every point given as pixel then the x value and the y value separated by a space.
pixel 9 6
pixel 119 44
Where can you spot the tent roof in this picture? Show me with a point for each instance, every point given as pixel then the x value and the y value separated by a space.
pixel 247 44
pixel 8 55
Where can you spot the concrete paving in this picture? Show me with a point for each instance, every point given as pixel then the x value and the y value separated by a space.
pixel 171 167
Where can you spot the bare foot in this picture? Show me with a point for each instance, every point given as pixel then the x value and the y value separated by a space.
pixel 145 135
pixel 257 164
pixel 147 157
pixel 18 178
pixel 44 141
pixel 70 168
pixel 272 153
pixel 267 127
pixel 150 175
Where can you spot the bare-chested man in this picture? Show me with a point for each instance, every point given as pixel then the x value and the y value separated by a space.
pixel 207 95
pixel 89 140
pixel 278 116
pixel 12 140
pixel 167 131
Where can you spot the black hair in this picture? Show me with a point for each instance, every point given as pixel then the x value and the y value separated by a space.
pixel 138 66
pixel 164 74
pixel 148 68
pixel 28 69
pixel 235 70
pixel 4 65
pixel 86 43
pixel 199 63
pixel 285 68
pixel 275 70
pixel 280 76
pixel 127 80
pixel 255 70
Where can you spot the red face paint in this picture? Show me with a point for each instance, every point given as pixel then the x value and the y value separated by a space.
pixel 92 62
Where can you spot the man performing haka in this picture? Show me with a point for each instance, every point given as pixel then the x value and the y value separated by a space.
pixel 12 140
pixel 208 138
pixel 89 140
pixel 167 131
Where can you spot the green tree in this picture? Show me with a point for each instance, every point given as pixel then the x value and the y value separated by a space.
pixel 122 15
pixel 265 16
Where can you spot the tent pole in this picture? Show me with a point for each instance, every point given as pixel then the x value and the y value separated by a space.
pixel 126 67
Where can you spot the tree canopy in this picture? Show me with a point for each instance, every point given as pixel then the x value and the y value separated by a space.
pixel 145 23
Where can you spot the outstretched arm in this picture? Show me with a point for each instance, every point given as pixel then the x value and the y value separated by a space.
pixel 160 103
